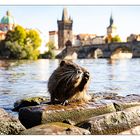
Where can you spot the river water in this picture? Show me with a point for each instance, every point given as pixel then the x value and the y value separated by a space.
pixel 25 78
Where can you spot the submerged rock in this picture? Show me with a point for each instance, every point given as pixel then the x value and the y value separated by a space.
pixel 55 128
pixel 113 123
pixel 9 125
pixel 31 101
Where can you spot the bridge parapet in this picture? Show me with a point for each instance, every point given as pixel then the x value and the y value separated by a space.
pixel 107 49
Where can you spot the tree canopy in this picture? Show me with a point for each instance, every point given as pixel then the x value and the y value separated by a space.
pixel 20 43
pixel 116 39
pixel 50 53
pixel 110 39
pixel 50 45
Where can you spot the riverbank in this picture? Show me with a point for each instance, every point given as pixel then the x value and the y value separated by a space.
pixel 105 114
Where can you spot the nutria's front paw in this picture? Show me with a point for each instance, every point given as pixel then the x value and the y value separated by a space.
pixel 66 102
pixel 86 76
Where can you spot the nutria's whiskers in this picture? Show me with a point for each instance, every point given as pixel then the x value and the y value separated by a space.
pixel 66 72
pixel 70 78
pixel 64 77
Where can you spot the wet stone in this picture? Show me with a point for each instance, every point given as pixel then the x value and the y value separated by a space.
pixel 31 101
pixel 133 131
pixel 101 103
pixel 113 123
pixel 120 102
pixel 74 112
pixel 55 128
pixel 9 125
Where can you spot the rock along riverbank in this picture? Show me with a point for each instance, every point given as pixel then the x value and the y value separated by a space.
pixel 9 125
pixel 105 114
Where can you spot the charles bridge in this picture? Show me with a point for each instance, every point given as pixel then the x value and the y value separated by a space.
pixel 100 50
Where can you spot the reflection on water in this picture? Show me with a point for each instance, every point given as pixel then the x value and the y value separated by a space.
pixel 25 78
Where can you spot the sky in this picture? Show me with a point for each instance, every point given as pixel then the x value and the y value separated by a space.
pixel 86 19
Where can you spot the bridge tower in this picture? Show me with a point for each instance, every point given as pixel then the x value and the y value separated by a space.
pixel 64 29
pixel 111 29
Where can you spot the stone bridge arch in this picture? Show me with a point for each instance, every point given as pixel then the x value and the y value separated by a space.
pixel 90 52
pixel 123 49
pixel 95 53
pixel 121 52
pixel 124 45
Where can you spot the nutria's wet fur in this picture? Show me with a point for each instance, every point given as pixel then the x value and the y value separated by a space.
pixel 68 83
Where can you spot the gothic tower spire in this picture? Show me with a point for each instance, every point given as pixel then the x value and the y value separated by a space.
pixel 111 29
pixel 64 29
pixel 64 14
pixel 111 19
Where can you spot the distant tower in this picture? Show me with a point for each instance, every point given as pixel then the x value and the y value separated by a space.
pixel 64 29
pixel 111 29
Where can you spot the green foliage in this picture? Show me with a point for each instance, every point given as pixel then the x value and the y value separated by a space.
pixel 50 45
pixel 50 53
pixel 20 44
pixel 33 39
pixel 110 39
pixel 30 52
pixel 18 34
pixel 116 39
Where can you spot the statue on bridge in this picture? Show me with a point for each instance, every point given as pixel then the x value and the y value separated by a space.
pixel 68 43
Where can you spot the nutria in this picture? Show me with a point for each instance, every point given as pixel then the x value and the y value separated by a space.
pixel 68 83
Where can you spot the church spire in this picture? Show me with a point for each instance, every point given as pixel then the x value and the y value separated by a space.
pixel 8 13
pixel 111 19
pixel 65 14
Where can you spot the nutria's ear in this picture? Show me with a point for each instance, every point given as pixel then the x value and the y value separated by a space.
pixel 62 63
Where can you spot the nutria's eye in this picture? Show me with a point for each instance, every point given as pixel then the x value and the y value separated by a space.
pixel 79 71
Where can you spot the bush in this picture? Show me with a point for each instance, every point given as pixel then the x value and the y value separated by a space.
pixel 49 55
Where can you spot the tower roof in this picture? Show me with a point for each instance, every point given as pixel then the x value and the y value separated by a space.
pixel 7 19
pixel 65 14
pixel 111 20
